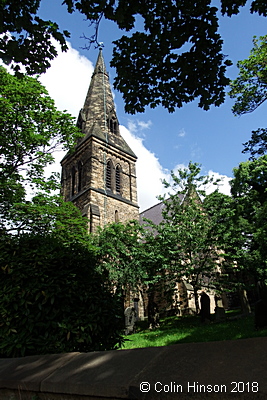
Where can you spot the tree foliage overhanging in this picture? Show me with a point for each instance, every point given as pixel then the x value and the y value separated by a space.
pixel 250 87
pixel 176 58
pixel 249 90
pixel 25 39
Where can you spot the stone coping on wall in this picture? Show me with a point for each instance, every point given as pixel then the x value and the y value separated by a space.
pixel 213 370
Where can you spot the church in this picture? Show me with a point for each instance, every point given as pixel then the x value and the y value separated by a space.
pixel 99 176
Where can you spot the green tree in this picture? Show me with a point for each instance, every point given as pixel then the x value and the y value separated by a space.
pixel 44 214
pixel 158 284
pixel 25 39
pixel 132 259
pixel 192 245
pixel 31 130
pixel 119 254
pixel 52 299
pixel 250 87
pixel 229 227
pixel 250 91
pixel 249 184
pixel 176 58
pixel 249 192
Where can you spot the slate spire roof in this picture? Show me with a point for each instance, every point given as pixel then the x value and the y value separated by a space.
pixel 98 116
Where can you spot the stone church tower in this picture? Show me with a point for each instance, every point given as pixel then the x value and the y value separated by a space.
pixel 99 177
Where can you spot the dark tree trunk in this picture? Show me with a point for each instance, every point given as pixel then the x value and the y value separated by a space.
pixel 153 312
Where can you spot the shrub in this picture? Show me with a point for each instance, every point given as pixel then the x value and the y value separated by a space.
pixel 52 300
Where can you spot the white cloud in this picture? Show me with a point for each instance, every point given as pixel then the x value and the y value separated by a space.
pixel 138 126
pixel 149 171
pixel 223 185
pixel 144 124
pixel 132 126
pixel 67 80
pixel 181 133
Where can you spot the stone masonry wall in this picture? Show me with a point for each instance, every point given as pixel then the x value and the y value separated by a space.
pixel 91 158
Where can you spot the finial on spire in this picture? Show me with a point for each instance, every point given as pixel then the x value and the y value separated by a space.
pixel 100 45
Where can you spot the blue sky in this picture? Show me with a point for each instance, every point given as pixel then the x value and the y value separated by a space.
pixel 162 141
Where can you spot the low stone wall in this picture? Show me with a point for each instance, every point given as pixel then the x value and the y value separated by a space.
pixel 213 370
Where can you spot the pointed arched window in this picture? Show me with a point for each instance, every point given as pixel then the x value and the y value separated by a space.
pixel 113 124
pixel 118 179
pixel 108 175
pixel 73 176
pixel 80 176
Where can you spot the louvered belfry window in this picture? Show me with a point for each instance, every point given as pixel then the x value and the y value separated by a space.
pixel 118 179
pixel 108 175
pixel 113 126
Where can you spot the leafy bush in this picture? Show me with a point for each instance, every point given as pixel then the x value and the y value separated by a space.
pixel 52 299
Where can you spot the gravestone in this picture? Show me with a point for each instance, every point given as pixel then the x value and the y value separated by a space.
pixel 153 315
pixel 205 307
pixel 130 319
pixel 219 309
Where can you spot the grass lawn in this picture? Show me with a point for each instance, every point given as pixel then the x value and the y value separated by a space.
pixel 187 329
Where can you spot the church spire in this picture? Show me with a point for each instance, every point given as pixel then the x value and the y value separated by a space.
pixel 100 64
pixel 98 116
pixel 99 176
pixel 99 98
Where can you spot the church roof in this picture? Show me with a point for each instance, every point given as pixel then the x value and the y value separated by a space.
pixel 154 213
pixel 98 116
